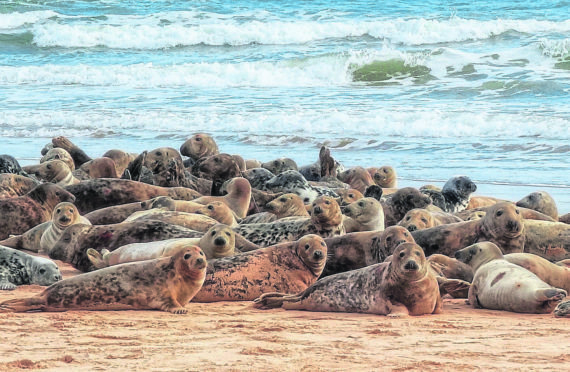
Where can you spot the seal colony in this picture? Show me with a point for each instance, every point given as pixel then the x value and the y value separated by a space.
pixel 156 231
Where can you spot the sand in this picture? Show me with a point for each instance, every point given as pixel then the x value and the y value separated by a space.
pixel 236 337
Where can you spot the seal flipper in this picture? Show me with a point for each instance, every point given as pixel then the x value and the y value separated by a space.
pixel 274 300
pixel 5 285
pixel 22 305
pixel 562 310
pixel 456 288
pixel 14 241
pixel 98 259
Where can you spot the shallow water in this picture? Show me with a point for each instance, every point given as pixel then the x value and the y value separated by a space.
pixel 434 88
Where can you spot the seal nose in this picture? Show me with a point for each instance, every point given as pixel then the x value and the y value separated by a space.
pixel 411 265
pixel 513 226
pixel 398 242
pixel 64 219
pixel 199 261
pixel 318 255
pixel 57 277
pixel 317 210
pixel 457 255
pixel 220 241
pixel 412 228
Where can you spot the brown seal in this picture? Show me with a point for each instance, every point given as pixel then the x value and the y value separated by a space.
pixel 64 215
pixel 562 309
pixel 104 192
pixel 59 154
pixel 527 214
pixel 404 286
pixel 200 145
pixel 384 176
pixel 217 168
pixel 454 277
pixel 347 196
pixel 240 162
pixel 120 158
pixel 501 285
pixel 217 242
pixel 14 185
pixel 287 205
pixel 165 284
pixel 113 214
pixel 540 201
pixel 56 171
pixel 478 201
pixel 237 198
pixel 419 219
pixel 288 267
pixel 502 225
pixel 18 215
pixel 78 155
pixel 365 214
pixel 193 221
pixel 358 178
pixel 76 239
pixel 96 168
pixel 555 275
pixel 325 221
pixel 550 240
pixel 398 204
pixel 215 209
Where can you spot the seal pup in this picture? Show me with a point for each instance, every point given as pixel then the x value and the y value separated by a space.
pixel 551 273
pixel 365 214
pixel 237 198
pixel 64 215
pixel 455 194
pixel 165 284
pixel 19 268
pixel 419 219
pixel 217 242
pixel 404 286
pixel 56 171
pixel 385 176
pixel 289 267
pixel 325 221
pixel 399 203
pixel 18 215
pixel 540 201
pixel 501 285
pixel 287 205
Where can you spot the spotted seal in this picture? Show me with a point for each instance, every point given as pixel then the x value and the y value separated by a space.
pixel 19 268
pixel 550 240
pixel 257 177
pixel 501 285
pixel 193 221
pixel 280 165
pixel 455 194
pixel 9 164
pixel 404 286
pixel 165 284
pixel 15 185
pixel 291 181
pixel 398 204
pixel 288 267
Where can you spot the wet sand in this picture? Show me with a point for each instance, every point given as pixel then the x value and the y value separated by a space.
pixel 236 337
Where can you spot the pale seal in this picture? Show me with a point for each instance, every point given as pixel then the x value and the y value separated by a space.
pixel 56 171
pixel 64 215
pixel 540 201
pixel 237 198
pixel 419 219
pixel 280 165
pixel 59 154
pixel 365 214
pixel 555 275
pixel 287 205
pixel 385 176
pixel 19 268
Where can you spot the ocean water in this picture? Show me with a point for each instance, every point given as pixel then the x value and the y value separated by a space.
pixel 433 88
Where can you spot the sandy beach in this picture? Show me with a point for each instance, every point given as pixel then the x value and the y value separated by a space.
pixel 236 337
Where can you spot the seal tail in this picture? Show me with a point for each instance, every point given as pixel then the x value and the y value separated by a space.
pixel 22 305
pixel 99 260
pixel 14 241
pixel 456 288
pixel 274 300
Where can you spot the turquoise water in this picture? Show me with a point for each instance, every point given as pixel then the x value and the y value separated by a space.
pixel 434 88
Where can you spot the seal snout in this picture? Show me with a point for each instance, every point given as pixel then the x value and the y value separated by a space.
pixel 513 226
pixel 318 255
pixel 412 228
pixel 317 210
pixel 57 277
pixel 64 219
pixel 411 265
pixel 220 241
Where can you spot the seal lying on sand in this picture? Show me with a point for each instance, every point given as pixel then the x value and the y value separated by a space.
pixel 404 286
pixel 501 285
pixel 19 268
pixel 165 284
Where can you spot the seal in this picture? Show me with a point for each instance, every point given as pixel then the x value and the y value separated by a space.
pixel 9 164
pixel 291 181
pixel 18 215
pixel 78 155
pixel 165 284
pixel 562 309
pixel 257 177
pixel 550 240
pixel 16 185
pixel 358 178
pixel 219 211
pixel 565 218
pixel 419 219
pixel 287 205
pixel 540 201
pixel 478 201
pixel 527 214
pixel 385 176
pixel 113 214
pixel 347 196
pixel 75 240
pixel 454 277
pixel 325 221
pixel 404 286
pixel 455 194
pixel 64 215
pixel 120 158
pixel 193 221
pixel 217 168
pixel 502 225
pixel 501 285
pixel 288 267
pixel 365 214
pixel 237 198
pixel 240 162
pixel 19 268
pixel 252 163
pixel 555 275
pixel 399 203
pixel 200 145
pixel 96 168
pixel 59 154
pixel 105 192
pixel 30 240
pixel 217 242
pixel 280 165
pixel 56 171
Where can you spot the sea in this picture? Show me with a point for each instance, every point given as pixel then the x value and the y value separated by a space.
pixel 433 88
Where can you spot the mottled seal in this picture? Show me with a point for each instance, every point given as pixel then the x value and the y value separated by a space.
pixel 165 284
pixel 237 198
pixel 502 225
pixel 9 164
pixel 18 215
pixel 555 275
pixel 404 286
pixel 540 201
pixel 326 221
pixel 64 215
pixel 288 267
pixel 365 214
pixel 113 214
pixel 19 268
pixel 105 192
pixel 455 194
pixel 385 176
pixel 18 185
pixel 398 204
pixel 56 171
pixel 501 285
pixel 562 309
pixel 419 219
pixel 217 242
pixel 257 177
pixel 291 181
pixel 193 221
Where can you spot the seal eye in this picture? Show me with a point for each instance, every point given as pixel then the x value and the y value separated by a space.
pixel 306 200
pixel 473 251
pixel 499 213
pixel 323 244
pixel 402 254
pixel 57 193
pixel 211 207
pixel 49 166
pixel 158 153
pixel 213 232
pixel 418 253
pixel 307 246
pixel 327 202
pixel 217 160
pixel 424 220
pixel 389 239
pixel 187 256
pixel 408 218
pixel 58 211
pixel 42 271
pixel 198 139
pixel 351 195
pixel 283 200
pixel 276 162
pixel 385 170
pixel 517 211
pixel 361 204
pixel 406 234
